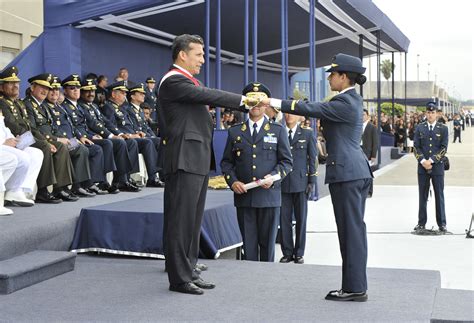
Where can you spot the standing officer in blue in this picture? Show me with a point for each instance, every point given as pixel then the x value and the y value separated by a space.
pixel 254 150
pixel 347 172
pixel 296 188
pixel 430 145
pixel 150 96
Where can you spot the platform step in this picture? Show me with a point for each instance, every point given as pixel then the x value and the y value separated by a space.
pixel 32 268
pixel 453 305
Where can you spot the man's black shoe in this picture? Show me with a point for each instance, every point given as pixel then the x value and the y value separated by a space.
pixel 419 227
pixel 187 288
pixel 442 229
pixel 340 295
pixel 82 192
pixel 201 267
pixel 66 196
pixel 137 184
pixel 299 260
pixel 155 183
pixel 112 189
pixel 47 198
pixel 128 187
pixel 286 259
pixel 201 283
pixel 95 189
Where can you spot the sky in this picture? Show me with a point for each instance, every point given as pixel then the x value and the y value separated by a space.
pixel 442 33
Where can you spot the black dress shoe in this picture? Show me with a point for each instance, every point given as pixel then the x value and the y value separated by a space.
pixel 112 189
pixel 187 288
pixel 47 198
pixel 66 196
pixel 82 192
pixel 137 184
pixel 340 295
pixel 299 260
pixel 128 187
pixel 419 227
pixel 155 183
pixel 201 283
pixel 286 259
pixel 201 267
pixel 442 229
pixel 95 189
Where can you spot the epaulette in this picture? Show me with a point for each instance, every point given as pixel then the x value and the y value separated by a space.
pixel 237 124
pixel 306 128
pixel 275 123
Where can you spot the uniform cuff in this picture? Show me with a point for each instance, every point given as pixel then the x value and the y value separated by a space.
pixel 276 103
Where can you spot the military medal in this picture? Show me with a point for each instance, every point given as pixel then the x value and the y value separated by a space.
pixel 267 127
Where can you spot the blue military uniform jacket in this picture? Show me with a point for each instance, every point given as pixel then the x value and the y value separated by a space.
pixel 341 119
pixel 118 117
pixel 138 121
pixel 97 122
pixel 431 145
pixel 246 161
pixel 304 152
pixel 64 125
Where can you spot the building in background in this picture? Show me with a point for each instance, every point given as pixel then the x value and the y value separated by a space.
pixel 21 22
pixel 300 83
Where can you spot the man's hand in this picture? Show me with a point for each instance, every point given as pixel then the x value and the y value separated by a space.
pixel 238 187
pixel 11 142
pixel 97 137
pixel 64 141
pixel 52 148
pixel 118 137
pixel 86 141
pixel 142 134
pixel 269 184
pixel 125 136
pixel 427 164
pixel 309 189
pixel 133 135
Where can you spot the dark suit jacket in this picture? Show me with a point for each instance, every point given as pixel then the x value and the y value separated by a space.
pixel 431 144
pixel 341 119
pixel 189 128
pixel 370 141
pixel 304 152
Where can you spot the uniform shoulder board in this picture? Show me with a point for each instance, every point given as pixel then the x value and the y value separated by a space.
pixel 273 123
pixel 237 124
pixel 306 128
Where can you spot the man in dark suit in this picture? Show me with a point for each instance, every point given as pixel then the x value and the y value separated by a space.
pixel 188 157
pixel 296 188
pixel 430 145
pixel 369 143
pixel 56 168
pixel 347 172
pixel 257 149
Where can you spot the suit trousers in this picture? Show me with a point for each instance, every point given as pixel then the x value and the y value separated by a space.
pixel 423 191
pixel 108 151
pixel 348 200
pixel 258 227
pixel 96 163
pixel 184 200
pixel 297 204
pixel 8 165
pixel 80 162
pixel 150 155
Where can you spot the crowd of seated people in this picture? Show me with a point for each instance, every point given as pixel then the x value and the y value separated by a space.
pixel 75 138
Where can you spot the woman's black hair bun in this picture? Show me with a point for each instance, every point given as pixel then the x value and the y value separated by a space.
pixel 360 79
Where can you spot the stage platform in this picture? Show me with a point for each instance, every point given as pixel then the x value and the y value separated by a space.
pixel 109 288
pixel 134 227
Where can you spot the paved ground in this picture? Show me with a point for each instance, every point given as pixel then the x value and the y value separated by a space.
pixel 392 213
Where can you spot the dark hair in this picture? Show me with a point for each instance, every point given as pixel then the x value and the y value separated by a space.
pixel 366 111
pixel 145 105
pixel 181 43
pixel 101 78
pixel 355 78
pixel 123 68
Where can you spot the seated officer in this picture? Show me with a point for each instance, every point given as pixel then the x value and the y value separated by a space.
pixel 429 146
pixel 56 168
pixel 72 118
pixel 296 189
pixel 254 150
pixel 116 112
pixel 140 126
pixel 78 155
pixel 122 156
pixel 150 96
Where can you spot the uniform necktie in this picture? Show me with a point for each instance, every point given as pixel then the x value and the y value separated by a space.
pixel 431 127
pixel 254 133
pixel 289 135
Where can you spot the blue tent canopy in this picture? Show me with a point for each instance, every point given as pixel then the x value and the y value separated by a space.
pixel 101 36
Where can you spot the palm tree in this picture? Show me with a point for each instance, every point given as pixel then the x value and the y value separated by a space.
pixel 387 69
